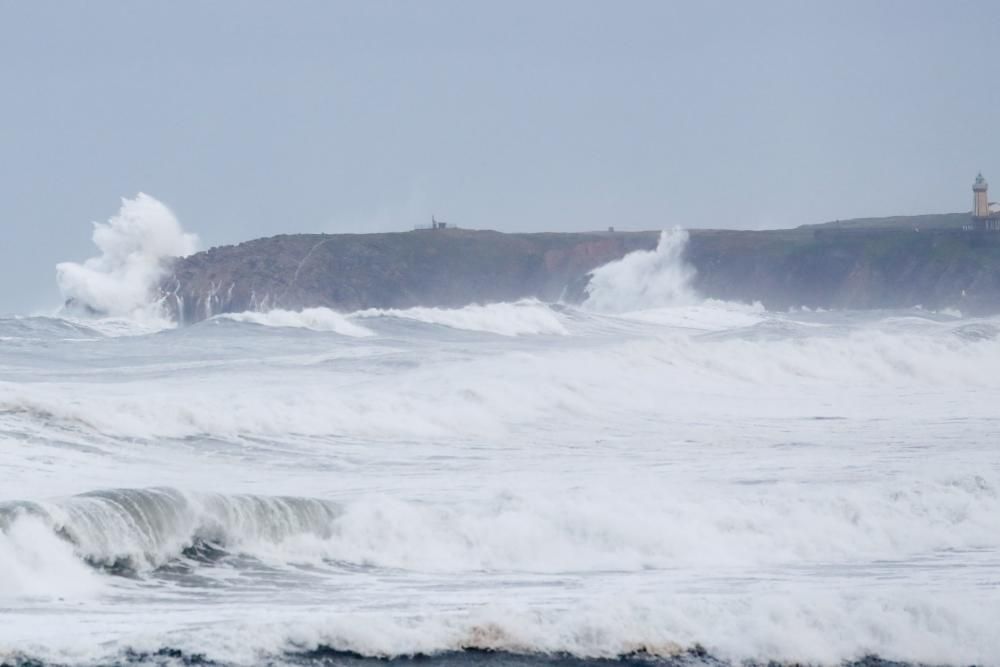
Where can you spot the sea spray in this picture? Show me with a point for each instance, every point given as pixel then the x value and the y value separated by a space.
pixel 36 562
pixel 135 246
pixel 645 278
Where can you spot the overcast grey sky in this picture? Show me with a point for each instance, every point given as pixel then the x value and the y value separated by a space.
pixel 256 118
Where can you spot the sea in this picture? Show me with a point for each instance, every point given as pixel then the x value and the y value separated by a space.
pixel 645 478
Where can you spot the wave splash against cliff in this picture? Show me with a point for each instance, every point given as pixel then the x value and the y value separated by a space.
pixel 644 278
pixel 123 284
pixel 639 281
pixel 134 248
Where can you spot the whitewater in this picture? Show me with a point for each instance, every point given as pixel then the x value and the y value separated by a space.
pixel 648 476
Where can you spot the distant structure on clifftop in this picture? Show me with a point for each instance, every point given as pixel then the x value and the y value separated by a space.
pixel 435 224
pixel 985 218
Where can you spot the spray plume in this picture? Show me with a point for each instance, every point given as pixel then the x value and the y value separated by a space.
pixel 134 248
pixel 644 279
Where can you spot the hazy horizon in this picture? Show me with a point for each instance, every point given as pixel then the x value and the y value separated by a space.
pixel 253 119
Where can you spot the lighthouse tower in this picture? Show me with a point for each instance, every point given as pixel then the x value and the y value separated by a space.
pixel 980 203
pixel 984 218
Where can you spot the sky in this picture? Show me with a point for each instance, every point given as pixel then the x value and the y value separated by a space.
pixel 252 118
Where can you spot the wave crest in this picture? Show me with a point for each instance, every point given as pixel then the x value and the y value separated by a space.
pixel 315 319
pixel 520 318
pixel 137 530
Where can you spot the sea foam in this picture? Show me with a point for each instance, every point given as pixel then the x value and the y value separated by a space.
pixel 525 317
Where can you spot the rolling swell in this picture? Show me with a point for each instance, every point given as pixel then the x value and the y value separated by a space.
pixel 131 531
pixel 641 529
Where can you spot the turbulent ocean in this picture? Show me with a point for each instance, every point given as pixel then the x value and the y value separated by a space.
pixel 648 477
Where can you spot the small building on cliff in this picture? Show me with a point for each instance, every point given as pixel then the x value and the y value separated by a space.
pixel 435 224
pixel 985 214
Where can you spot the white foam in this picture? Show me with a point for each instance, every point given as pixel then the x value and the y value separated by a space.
pixel 707 315
pixel 802 487
pixel 644 279
pixel 828 628
pixel 765 573
pixel 34 562
pixel 142 322
pixel 492 395
pixel 640 528
pixel 654 286
pixel 315 319
pixel 520 318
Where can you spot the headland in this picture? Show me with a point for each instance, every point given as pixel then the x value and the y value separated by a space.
pixel 933 261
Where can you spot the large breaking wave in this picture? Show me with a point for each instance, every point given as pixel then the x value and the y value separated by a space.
pixel 136 531
pixel 81 545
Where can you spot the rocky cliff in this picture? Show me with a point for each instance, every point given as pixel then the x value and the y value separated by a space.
pixel 449 268
pixel 831 266
pixel 863 268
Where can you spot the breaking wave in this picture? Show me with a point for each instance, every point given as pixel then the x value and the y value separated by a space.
pixel 645 528
pixel 525 317
pixel 138 530
pixel 495 394
pixel 315 319
pixel 135 530
pixel 520 318
pixel 76 546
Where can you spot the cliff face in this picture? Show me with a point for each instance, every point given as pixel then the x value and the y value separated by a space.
pixel 815 267
pixel 447 268
pixel 830 268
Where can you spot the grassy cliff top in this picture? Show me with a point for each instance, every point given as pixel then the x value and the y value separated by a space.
pixel 899 222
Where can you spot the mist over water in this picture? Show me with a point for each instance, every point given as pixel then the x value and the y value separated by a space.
pixel 649 474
